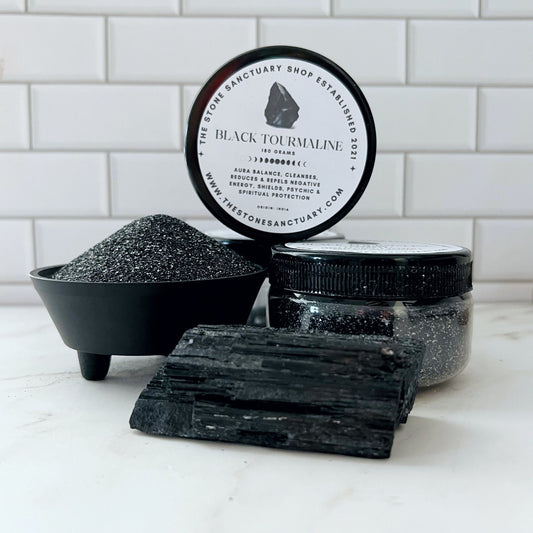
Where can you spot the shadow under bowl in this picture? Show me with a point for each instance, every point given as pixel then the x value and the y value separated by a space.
pixel 101 319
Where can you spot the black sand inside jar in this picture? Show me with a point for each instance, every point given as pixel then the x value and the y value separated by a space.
pixel 400 290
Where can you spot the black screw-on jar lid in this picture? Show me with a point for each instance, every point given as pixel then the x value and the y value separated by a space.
pixel 257 251
pixel 366 269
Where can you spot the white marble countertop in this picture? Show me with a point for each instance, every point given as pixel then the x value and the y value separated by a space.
pixel 69 461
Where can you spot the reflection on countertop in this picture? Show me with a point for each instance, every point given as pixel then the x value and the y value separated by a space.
pixel 68 458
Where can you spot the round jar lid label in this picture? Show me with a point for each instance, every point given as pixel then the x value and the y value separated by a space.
pixel 370 247
pixel 281 142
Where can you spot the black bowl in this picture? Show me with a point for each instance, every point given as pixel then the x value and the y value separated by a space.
pixel 103 319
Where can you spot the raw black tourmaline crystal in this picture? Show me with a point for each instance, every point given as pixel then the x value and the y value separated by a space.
pixel 281 110
pixel 317 392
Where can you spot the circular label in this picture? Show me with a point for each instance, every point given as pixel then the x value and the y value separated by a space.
pixel 282 145
pixel 380 247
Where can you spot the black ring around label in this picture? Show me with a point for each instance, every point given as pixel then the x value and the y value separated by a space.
pixel 213 85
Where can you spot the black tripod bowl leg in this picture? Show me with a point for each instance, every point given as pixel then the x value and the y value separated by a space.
pixel 93 366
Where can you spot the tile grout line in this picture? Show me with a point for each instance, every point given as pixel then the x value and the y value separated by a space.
pixel 34 242
pixel 363 85
pixel 90 150
pixel 479 8
pixel 414 151
pixel 257 31
pixel 181 125
pixel 169 15
pixel 348 218
pixel 474 224
pixel 106 48
pixel 478 107
pixel 407 24
pixel 87 218
pixel 30 119
pixel 331 10
pixel 109 186
pixel 404 184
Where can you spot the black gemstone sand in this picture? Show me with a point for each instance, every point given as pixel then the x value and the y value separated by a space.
pixel 443 326
pixel 316 392
pixel 156 248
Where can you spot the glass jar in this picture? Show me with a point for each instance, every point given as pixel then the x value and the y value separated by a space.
pixel 400 290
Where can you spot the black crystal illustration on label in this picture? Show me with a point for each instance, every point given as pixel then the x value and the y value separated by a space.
pixel 281 110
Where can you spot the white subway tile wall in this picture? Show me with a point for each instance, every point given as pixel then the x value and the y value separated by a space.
pixel 506 291
pixel 504 249
pixel 424 118
pixel 469 185
pixel 507 8
pixel 60 240
pixel 17 249
pixel 372 51
pixel 470 52
pixel 14 117
pixel 169 189
pixel 505 119
pixel 383 196
pixel 12 6
pixel 189 94
pixel 100 117
pixel 108 7
pixel 434 230
pixel 43 48
pixel 406 8
pixel 95 94
pixel 300 8
pixel 168 49
pixel 53 184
